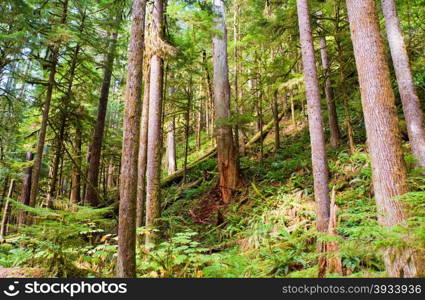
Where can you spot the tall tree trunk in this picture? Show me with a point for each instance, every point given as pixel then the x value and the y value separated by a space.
pixel 171 146
pixel 110 183
pixel 342 84
pixel 126 261
pixel 91 196
pixel 45 117
pixel 56 162
pixel 187 129
pixel 3 229
pixel 292 109
pixel 318 151
pixel 60 137
pixel 378 101
pixel 226 151
pixel 199 126
pixel 153 171
pixel 143 148
pixel 4 191
pixel 261 124
pixel 237 106
pixel 26 188
pixel 335 138
pixel 209 88
pixel 409 97
pixel 275 110
pixel 75 196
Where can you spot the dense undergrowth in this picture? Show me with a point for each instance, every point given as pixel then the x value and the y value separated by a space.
pixel 268 231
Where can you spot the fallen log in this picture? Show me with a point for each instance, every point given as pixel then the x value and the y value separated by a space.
pixel 212 151
pixel 264 132
pixel 179 173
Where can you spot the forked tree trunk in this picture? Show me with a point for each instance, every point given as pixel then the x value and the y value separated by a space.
pixel 26 188
pixel 45 117
pixel 317 138
pixel 335 138
pixel 378 101
pixel 153 171
pixel 143 148
pixel 91 196
pixel 226 151
pixel 126 261
pixel 409 97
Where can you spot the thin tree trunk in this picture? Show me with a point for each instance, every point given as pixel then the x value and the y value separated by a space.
pixel 60 138
pixel 153 171
pixel 171 147
pixel 378 101
pixel 199 127
pixel 141 176
pixel 209 87
pixel 260 124
pixel 292 110
pixel 126 261
pixel 3 229
pixel 75 196
pixel 186 130
pixel 342 83
pixel 275 110
pixel 91 196
pixel 318 151
pixel 56 163
pixel 43 129
pixel 226 152
pixel 111 173
pixel 61 186
pixel 26 188
pixel 236 78
pixel 335 138
pixel 4 191
pixel 409 97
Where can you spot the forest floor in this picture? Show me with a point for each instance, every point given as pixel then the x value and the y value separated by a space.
pixel 267 231
pixel 22 273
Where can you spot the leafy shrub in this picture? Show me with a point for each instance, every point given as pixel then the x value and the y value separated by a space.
pixel 180 256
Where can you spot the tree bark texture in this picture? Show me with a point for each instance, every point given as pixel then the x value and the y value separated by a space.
pixel 126 261
pixel 153 170
pixel 226 151
pixel 143 148
pixel 317 139
pixel 91 196
pixel 45 116
pixel 335 135
pixel 409 97
pixel 378 101
pixel 26 187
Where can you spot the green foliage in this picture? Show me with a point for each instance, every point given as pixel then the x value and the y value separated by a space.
pixel 13 257
pixel 180 256
pixel 57 237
